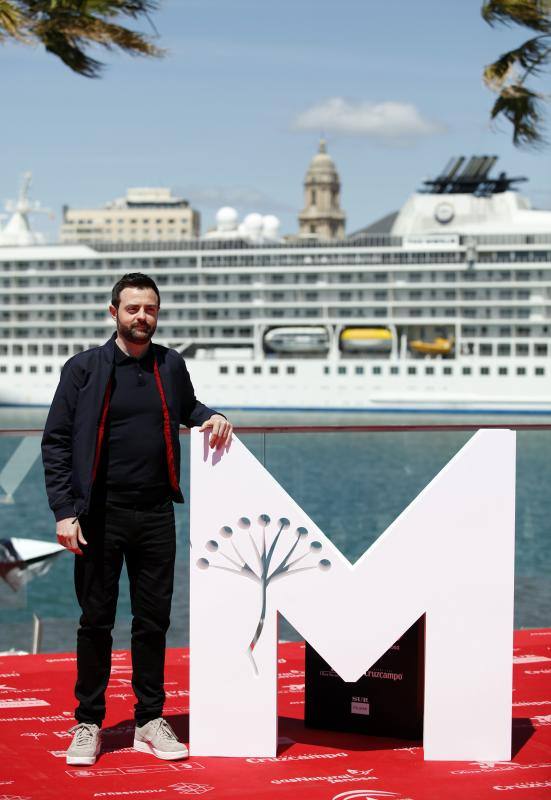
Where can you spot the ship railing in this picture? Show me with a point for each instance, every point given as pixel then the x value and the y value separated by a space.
pixel 353 241
pixel 353 480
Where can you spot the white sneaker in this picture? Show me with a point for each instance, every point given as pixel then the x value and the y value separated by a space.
pixel 157 737
pixel 86 744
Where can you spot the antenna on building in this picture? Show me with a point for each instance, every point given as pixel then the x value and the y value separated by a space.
pixel 17 230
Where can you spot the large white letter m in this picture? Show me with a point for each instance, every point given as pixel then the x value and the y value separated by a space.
pixel 449 555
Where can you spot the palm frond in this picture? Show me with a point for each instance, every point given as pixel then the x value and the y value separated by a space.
pixel 67 28
pixel 522 108
pixel 534 14
pixel 531 57
pixel 10 21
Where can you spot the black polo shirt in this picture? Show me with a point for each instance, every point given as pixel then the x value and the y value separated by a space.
pixel 134 463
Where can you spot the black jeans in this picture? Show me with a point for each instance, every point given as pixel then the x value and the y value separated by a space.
pixel 144 536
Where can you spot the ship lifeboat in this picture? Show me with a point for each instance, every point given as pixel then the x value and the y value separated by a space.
pixel 370 339
pixel 440 346
pixel 297 340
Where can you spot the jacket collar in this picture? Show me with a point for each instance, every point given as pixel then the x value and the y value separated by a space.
pixel 108 349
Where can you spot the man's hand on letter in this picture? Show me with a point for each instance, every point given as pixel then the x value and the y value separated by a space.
pixel 69 534
pixel 221 430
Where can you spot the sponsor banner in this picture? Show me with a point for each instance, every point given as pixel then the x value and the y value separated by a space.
pixel 141 769
pixel 525 785
pixel 533 703
pixel 23 702
pixel 498 766
pixel 350 776
pixel 541 719
pixel 529 658
pixel 386 701
pixel 368 794
pixel 298 757
pixel 178 788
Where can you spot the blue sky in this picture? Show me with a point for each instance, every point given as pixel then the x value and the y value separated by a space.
pixel 233 113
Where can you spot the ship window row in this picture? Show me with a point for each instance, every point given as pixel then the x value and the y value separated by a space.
pixel 279 276
pixel 40 349
pixel 32 369
pixel 432 370
pixel 278 261
pixel 325 291
pixel 274 369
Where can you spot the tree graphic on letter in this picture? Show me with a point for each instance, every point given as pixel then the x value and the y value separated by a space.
pixel 261 568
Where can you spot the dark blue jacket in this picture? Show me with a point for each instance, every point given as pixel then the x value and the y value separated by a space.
pixel 74 429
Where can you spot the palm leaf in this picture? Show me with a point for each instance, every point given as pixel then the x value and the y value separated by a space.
pixel 521 107
pixel 534 14
pixel 67 28
pixel 10 21
pixel 530 57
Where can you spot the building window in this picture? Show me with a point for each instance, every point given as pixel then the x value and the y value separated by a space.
pixel 447 371
pixel 521 370
pixel 47 369
pixel 223 370
pixel 429 370
pixel 33 369
pixel 539 371
pixel 484 370
pixel 240 370
pixel 466 370
pixel 18 369
pixel 326 370
pixel 502 371
pixel 274 370
pixel 291 370
pixel 257 370
pixel 395 370
pixel 376 370
pixel 341 370
pixel 359 370
pixel 412 370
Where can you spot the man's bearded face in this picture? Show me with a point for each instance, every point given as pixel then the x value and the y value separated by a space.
pixel 136 316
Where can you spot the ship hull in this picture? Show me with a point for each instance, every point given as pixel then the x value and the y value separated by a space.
pixel 321 385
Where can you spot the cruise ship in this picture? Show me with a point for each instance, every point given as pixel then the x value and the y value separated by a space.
pixel 444 305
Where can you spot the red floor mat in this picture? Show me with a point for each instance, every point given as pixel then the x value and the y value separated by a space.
pixel 36 709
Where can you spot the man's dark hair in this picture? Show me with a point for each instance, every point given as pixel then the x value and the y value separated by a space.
pixel 134 280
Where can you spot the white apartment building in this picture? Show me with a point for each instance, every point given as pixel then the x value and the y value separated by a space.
pixel 143 215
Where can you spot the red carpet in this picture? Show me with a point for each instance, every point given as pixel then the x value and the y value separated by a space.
pixel 36 710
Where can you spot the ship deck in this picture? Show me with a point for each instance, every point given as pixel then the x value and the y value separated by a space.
pixel 36 705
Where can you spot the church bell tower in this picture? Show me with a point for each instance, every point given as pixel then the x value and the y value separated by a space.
pixel 322 216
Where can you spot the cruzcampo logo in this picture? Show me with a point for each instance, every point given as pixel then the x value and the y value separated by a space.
pixel 277 549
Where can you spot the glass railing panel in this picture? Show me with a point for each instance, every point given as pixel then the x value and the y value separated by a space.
pixel 25 515
pixel 533 530
pixel 352 483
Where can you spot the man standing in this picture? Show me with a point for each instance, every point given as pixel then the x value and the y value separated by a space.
pixel 111 458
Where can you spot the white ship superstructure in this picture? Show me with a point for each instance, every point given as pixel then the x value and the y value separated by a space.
pixel 449 308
